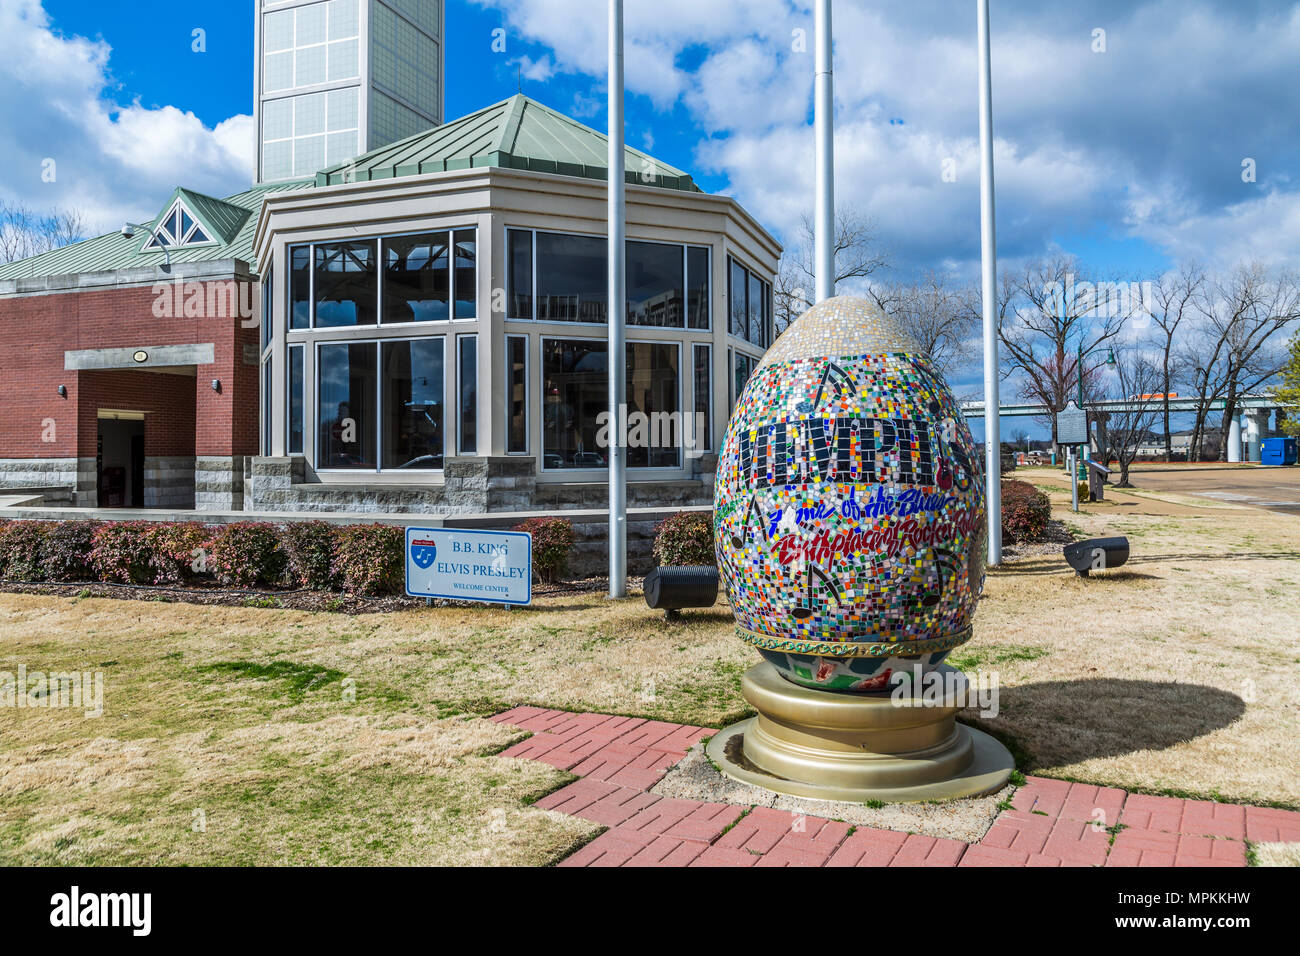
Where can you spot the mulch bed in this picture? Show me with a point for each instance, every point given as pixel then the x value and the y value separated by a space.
pixel 1054 539
pixel 295 600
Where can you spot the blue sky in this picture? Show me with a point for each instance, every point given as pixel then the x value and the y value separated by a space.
pixel 1127 153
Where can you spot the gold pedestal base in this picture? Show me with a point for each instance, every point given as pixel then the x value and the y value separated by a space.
pixel 854 748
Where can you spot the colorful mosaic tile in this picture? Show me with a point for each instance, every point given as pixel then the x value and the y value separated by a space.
pixel 849 506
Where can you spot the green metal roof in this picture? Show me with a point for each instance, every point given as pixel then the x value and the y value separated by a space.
pixel 231 222
pixel 518 133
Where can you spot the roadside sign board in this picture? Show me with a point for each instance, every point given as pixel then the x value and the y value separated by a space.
pixel 1072 425
pixel 495 567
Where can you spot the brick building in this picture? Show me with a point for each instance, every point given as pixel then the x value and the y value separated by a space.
pixel 421 329
pixel 131 370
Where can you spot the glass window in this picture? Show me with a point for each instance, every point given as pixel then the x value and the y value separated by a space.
pixel 517 394
pixel 300 287
pixel 703 390
pixel 277 31
pixel 277 160
pixel 466 279
pixel 343 61
pixel 756 297
pixel 268 315
pixel 345 284
pixel 311 24
pixel 654 435
pixel 697 291
pixel 416 278
pixel 343 109
pixel 346 406
pixel 413 404
pixel 277 119
pixel 572 278
pixel 744 368
pixel 574 393
pixel 467 384
pixel 309 66
pixel 309 114
pixel 308 155
pixel 340 147
pixel 737 300
pixel 656 283
pixel 519 274
pixel 294 404
pixel 266 408
pixel 344 20
pixel 278 72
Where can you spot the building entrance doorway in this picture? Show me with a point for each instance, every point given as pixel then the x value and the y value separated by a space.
pixel 120 461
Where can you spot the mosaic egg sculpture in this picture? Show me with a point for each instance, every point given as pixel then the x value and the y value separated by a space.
pixel 849 507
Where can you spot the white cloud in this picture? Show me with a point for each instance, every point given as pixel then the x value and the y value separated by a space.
pixel 1143 141
pixel 110 163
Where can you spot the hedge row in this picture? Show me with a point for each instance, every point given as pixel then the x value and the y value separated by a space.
pixel 361 559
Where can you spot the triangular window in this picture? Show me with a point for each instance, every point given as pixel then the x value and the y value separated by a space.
pixel 178 228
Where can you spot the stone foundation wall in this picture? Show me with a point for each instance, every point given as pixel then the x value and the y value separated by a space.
pixel 169 482
pixel 471 485
pixel 62 482
pixel 218 483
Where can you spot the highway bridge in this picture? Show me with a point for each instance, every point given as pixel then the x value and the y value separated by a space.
pixel 1255 408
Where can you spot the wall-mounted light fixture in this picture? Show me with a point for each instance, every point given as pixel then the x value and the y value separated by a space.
pixel 63 391
pixel 216 385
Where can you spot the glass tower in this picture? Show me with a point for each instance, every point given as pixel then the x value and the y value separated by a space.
pixel 337 78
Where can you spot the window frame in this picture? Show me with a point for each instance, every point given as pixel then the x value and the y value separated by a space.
pixel 767 308
pixel 381 248
pixel 685 248
pixel 541 379
pixel 288 399
pixel 378 423
pixel 459 386
pixel 528 401
pixel 708 411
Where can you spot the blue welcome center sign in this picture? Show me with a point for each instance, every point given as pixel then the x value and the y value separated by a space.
pixel 491 566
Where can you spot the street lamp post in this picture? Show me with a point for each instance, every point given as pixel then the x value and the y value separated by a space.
pixel 1110 360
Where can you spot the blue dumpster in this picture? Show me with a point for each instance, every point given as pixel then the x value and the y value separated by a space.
pixel 1278 451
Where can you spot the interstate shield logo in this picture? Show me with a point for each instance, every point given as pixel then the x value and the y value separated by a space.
pixel 423 553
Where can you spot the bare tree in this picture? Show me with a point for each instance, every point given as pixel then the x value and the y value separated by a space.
pixel 1239 346
pixel 24 233
pixel 1049 308
pixel 1173 299
pixel 940 317
pixel 1135 380
pixel 858 255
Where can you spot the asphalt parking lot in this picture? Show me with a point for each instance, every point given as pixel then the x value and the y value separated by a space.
pixel 1269 488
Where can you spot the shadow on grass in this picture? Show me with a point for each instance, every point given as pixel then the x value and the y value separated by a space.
pixel 1065 722
pixel 1052 564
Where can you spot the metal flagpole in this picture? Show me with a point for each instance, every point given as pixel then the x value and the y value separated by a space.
pixel 824 122
pixel 989 256
pixel 617 312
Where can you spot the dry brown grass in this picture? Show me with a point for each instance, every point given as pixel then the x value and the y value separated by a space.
pixel 1174 673
pixel 311 737
pixel 1277 854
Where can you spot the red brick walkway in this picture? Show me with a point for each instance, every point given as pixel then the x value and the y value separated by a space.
pixel 1050 823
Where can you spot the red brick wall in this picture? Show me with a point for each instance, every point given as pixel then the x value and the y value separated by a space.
pixel 166 400
pixel 186 416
